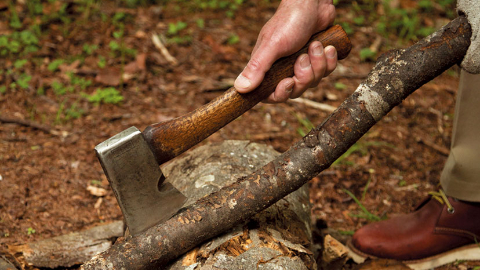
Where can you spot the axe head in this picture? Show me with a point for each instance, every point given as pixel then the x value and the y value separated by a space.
pixel 137 181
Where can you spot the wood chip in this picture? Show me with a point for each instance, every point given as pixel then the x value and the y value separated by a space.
pixel 97 191
pixel 190 257
pixel 333 249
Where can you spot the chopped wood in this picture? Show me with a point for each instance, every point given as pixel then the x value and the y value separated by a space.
pixel 163 50
pixel 313 104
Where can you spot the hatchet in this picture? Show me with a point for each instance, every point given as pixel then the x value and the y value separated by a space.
pixel 131 158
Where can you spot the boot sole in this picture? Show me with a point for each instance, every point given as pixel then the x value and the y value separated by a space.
pixel 465 253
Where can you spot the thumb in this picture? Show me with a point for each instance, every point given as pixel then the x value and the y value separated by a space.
pixel 252 75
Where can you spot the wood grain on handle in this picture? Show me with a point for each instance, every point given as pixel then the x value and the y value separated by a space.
pixel 171 138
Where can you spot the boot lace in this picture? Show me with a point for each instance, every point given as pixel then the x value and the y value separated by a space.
pixel 442 198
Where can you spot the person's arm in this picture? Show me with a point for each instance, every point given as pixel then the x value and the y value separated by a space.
pixel 471 9
pixel 292 25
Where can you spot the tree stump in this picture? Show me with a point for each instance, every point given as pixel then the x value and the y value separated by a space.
pixel 276 238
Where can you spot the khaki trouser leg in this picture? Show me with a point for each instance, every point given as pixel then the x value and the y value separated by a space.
pixel 461 175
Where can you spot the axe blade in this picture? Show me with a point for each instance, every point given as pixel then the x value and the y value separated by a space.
pixel 137 181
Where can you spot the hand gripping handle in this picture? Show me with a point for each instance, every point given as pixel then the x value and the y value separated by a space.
pixel 170 138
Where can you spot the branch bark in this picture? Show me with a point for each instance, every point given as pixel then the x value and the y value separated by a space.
pixel 396 75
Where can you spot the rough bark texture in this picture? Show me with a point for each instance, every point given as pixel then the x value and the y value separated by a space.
pixel 278 236
pixel 396 75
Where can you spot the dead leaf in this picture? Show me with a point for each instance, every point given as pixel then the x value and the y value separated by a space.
pixel 131 68
pixel 65 68
pixel 141 60
pixel 109 76
pixel 97 191
pixel 140 34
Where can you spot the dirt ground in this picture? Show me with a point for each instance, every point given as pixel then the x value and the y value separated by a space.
pixel 47 162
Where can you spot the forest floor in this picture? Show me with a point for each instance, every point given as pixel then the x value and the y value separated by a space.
pixel 75 73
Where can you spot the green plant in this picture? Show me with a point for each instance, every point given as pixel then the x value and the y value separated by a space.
pixel 20 63
pixel 102 62
pixel 180 40
pixel 340 86
pixel 73 112
pixel 60 89
pixel 41 91
pixel 31 231
pixel 360 20
pixel 121 48
pixel 360 147
pixel 114 46
pixel 230 7
pixel 233 39
pixel 425 4
pixel 366 54
pixel 89 49
pixel 404 23
pixel 34 7
pixel 174 28
pixel 96 182
pixel 106 95
pixel 342 232
pixel 306 125
pixel 200 23
pixel 22 42
pixel 346 26
pixel 23 80
pixel 55 64
pixel 14 19
pixel 78 81
pixel 365 213
pixel 3 89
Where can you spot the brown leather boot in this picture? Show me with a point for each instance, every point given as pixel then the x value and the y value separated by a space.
pixel 442 230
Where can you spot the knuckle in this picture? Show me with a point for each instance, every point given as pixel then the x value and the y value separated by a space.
pixel 254 65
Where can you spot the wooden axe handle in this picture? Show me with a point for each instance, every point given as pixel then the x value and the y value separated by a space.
pixel 170 138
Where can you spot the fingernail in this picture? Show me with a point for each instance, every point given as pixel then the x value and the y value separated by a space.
pixel 289 87
pixel 304 61
pixel 317 50
pixel 330 52
pixel 242 82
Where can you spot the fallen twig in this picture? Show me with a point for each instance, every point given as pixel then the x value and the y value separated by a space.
pixel 27 123
pixel 442 150
pixel 315 105
pixel 163 50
